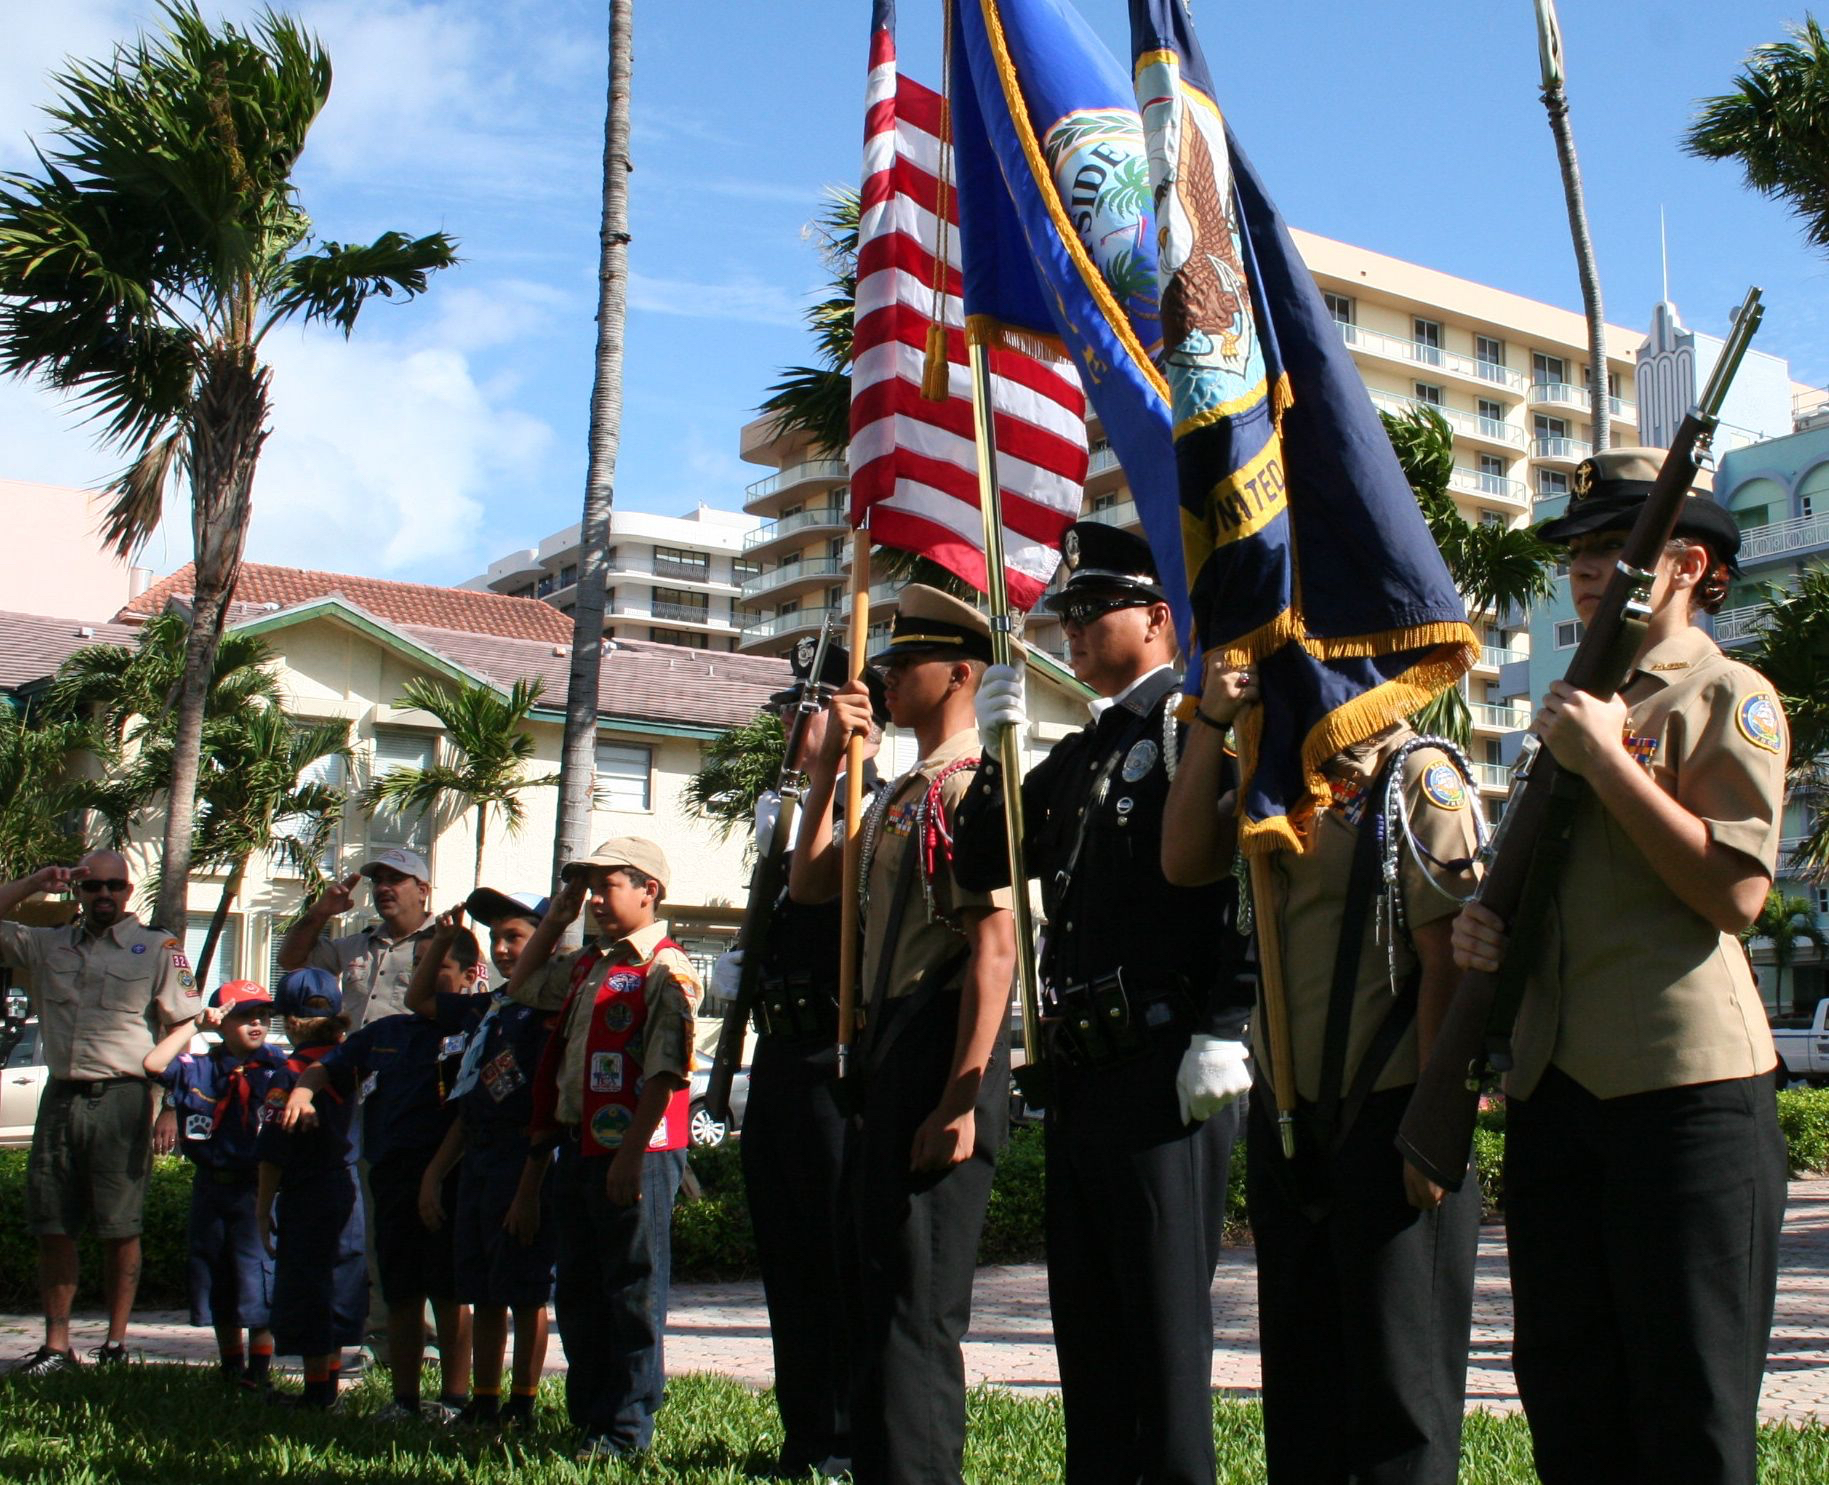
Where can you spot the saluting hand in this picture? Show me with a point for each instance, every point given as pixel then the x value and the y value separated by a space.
pixel 1226 689
pixel 1580 730
pixel 568 901
pixel 338 897
pixel 449 924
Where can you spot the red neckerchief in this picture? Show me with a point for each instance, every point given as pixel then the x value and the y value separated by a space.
pixel 304 1057
pixel 236 1093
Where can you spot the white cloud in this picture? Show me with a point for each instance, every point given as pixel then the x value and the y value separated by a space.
pixel 744 298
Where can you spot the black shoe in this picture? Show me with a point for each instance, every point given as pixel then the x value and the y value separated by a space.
pixel 112 1353
pixel 44 1361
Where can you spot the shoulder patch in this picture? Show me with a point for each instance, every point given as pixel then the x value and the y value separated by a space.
pixel 1443 788
pixel 1757 718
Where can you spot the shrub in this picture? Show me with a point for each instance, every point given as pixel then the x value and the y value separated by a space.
pixel 1803 1115
pixel 165 1241
pixel 1013 1220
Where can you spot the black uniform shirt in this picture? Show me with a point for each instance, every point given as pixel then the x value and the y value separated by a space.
pixel 1117 911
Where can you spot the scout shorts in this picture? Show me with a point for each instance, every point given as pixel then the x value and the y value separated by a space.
pixel 492 1267
pixel 231 1274
pixel 414 1263
pixel 91 1157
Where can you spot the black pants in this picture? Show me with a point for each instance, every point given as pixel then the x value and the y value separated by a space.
pixel 793 1149
pixel 914 1250
pixel 1364 1308
pixel 1644 1268
pixel 1136 1202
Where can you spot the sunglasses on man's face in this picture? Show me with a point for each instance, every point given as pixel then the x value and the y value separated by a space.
pixel 1083 611
pixel 114 885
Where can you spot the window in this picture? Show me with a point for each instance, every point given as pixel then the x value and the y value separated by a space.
pixel 1489 355
pixel 1428 392
pixel 225 963
pixel 329 773
pixel 1492 474
pixel 568 574
pixel 390 827
pixel 1552 482
pixel 1491 518
pixel 1822 901
pixel 1104 502
pixel 1546 369
pixel 1561 567
pixel 677 562
pixel 1428 337
pixel 681 606
pixel 742 567
pixel 1492 418
pixel 1339 306
pixel 1568 633
pixel 624 777
pixel 682 637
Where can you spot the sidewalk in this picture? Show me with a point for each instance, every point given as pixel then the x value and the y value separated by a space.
pixel 724 1328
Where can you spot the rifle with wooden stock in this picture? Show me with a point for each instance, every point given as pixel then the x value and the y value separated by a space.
pixel 765 883
pixel 1526 854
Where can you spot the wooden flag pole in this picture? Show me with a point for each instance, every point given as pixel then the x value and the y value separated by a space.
pixel 848 956
pixel 1033 1077
pixel 1276 1001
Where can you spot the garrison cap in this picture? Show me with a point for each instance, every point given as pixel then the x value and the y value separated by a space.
pixel 623 850
pixel 935 625
pixel 1103 558
pixel 490 907
pixel 1609 489
pixel 309 992
pixel 835 672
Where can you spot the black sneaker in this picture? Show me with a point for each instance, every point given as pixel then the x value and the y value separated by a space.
pixel 44 1361
pixel 112 1353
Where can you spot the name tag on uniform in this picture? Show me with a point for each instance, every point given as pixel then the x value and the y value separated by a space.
pixel 451 1046
pixel 606 1072
pixel 368 1086
pixel 196 1126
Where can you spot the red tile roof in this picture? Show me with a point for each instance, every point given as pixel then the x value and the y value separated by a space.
pixel 32 647
pixel 462 610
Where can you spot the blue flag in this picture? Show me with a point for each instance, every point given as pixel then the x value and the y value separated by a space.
pixel 1303 548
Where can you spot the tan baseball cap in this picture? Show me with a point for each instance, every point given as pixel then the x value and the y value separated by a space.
pixel 624 850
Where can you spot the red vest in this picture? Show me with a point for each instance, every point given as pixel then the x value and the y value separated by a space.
pixel 612 1058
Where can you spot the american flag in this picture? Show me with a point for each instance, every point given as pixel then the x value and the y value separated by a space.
pixel 913 462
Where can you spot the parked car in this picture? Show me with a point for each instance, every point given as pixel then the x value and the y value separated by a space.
pixel 21 1084
pixel 703 1130
pixel 1803 1044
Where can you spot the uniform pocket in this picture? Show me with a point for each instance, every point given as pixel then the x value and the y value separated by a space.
pixel 125 990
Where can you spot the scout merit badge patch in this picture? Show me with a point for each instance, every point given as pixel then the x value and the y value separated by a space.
pixel 606 1072
pixel 196 1126
pixel 1757 719
pixel 1442 787
pixel 1138 761
pixel 608 1123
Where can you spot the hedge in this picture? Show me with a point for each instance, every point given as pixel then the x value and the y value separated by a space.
pixel 713 1237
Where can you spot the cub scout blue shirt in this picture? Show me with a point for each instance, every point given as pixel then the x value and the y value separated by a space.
pixel 406 1065
pixel 218 1098
pixel 304 1153
pixel 513 1037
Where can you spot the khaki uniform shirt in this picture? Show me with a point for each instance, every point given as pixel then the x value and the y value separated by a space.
pixel 103 1001
pixel 1633 990
pixel 925 940
pixel 1311 888
pixel 672 992
pixel 374 969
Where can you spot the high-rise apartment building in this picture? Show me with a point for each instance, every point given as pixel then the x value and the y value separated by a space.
pixel 674 580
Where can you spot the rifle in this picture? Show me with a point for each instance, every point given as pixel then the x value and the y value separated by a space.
pixel 1524 856
pixel 765 883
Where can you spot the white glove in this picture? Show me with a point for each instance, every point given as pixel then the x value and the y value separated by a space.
pixel 1213 1072
pixel 725 974
pixel 768 810
pixel 999 704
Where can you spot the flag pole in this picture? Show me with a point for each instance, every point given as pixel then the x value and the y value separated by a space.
pixel 1276 1001
pixel 1032 1080
pixel 848 956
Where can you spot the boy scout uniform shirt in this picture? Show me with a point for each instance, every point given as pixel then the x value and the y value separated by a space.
pixel 923 941
pixel 218 1100
pixel 672 994
pixel 329 1147
pixel 374 970
pixel 405 1064
pixel 1632 990
pixel 1311 889
pixel 103 1001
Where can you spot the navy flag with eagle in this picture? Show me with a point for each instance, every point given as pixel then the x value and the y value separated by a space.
pixel 1305 552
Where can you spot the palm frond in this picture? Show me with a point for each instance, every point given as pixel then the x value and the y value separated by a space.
pixel 333 282
pixel 737 766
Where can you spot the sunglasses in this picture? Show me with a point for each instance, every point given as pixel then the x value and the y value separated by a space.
pixel 1083 611
pixel 116 885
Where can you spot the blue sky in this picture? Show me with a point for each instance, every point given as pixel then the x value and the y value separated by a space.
pixel 453 430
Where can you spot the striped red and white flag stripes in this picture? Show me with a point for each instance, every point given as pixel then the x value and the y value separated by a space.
pixel 913 462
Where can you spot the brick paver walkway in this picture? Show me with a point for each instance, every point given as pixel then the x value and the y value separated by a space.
pixel 724 1328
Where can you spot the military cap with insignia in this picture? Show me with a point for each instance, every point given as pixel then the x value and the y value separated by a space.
pixel 931 625
pixel 1103 558
pixel 1608 490
pixel 833 673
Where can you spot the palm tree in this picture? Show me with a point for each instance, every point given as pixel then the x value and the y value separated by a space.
pixel 1784 920
pixel 578 761
pixel 816 400
pixel 738 765
pixel 142 267
pixel 1494 566
pixel 44 798
pixel 1773 124
pixel 492 747
pixel 1556 102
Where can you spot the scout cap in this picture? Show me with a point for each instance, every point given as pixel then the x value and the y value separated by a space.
pixel 833 674
pixel 236 996
pixel 624 850
pixel 1608 489
pixel 407 863
pixel 932 624
pixel 490 907
pixel 309 992
pixel 1104 559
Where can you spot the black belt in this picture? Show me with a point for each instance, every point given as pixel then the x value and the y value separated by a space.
pixel 1106 1021
pixel 90 1087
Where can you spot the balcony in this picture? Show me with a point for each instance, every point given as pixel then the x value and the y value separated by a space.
pixel 1576 399
pixel 1464 424
pixel 685 613
pixel 1492 775
pixel 1500 718
pixel 1101 461
pixel 1417 353
pixel 1569 451
pixel 1492 657
pixel 674 567
pixel 1793 538
pixel 1734 626
pixel 795 474
pixel 1124 513
pixel 819 517
pixel 788 574
pixel 1497 487
pixel 780 626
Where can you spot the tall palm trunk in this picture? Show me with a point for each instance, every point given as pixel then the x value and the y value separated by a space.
pixel 482 830
pixel 578 766
pixel 227 429
pixel 231 888
pixel 1555 101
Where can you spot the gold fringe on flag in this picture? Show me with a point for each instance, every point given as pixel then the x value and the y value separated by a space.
pixel 993 334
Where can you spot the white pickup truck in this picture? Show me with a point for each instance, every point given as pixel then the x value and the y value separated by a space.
pixel 1803 1044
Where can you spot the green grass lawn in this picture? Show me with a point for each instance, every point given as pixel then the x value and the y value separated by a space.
pixel 172 1423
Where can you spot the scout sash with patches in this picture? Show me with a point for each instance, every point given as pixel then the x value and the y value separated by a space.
pixel 613 1078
